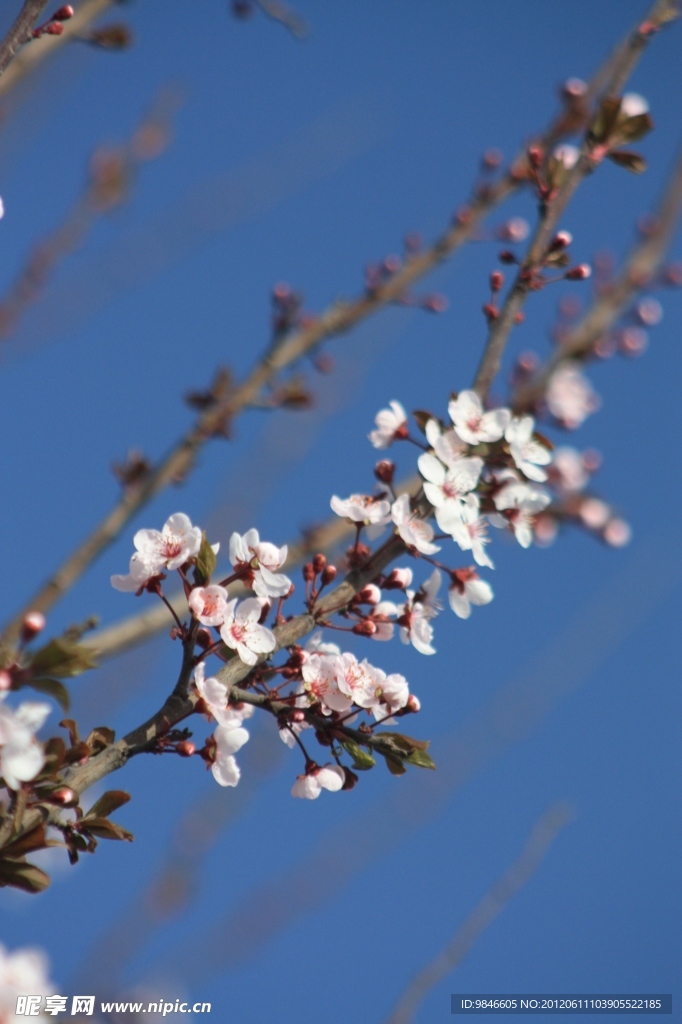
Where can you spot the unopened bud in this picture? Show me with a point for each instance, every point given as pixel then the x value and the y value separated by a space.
pixel 5 680
pixel 413 704
pixel 496 280
pixel 65 797
pixel 617 533
pixel 55 28
pixel 492 158
pixel 519 317
pixel 434 303
pixel 592 460
pixel 579 273
pixel 634 341
pixel 64 13
pixel 185 748
pixel 329 574
pixel 562 240
pixel 398 580
pixel 319 562
pixel 297 716
pixel 351 779
pixel 308 572
pixel 365 628
pixel 369 594
pixel 535 155
pixel 204 638
pixel 506 256
pixel 491 311
pixel 574 88
pixel 33 624
pixel 384 471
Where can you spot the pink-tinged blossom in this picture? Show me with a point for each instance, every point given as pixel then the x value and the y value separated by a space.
pixel 356 679
pixel 21 756
pixel 617 533
pixel 391 694
pixel 568 473
pixel 391 425
pixel 363 508
pixel 594 513
pixel 215 696
pixel 520 503
pixel 468 529
pixel 289 732
pixel 316 645
pixel 208 604
pixel 22 972
pixel 570 396
pixel 399 579
pixel 415 532
pixel 447 445
pixel 263 559
pixel 446 486
pixel 474 425
pixel 467 589
pixel 321 682
pixel 415 625
pixel 309 786
pixel 242 632
pixel 171 547
pixel 528 453
pixel 228 740
pixel 140 572
pixel 381 616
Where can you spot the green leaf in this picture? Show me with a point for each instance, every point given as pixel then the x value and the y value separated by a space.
pixel 108 803
pixel 362 759
pixel 394 765
pixel 53 688
pixel 62 658
pixel 23 876
pixel 105 829
pixel 606 118
pixel 404 744
pixel 206 562
pixel 630 161
pixel 421 759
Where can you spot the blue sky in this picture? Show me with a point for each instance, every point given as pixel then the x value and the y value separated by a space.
pixel 303 161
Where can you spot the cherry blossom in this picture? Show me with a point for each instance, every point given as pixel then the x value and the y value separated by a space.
pixel 570 396
pixel 263 560
pixel 520 503
pixel 391 694
pixel 595 513
pixel 415 625
pixel 23 972
pixel 528 454
pixel 321 682
pixel 356 679
pixel 467 528
pixel 21 756
pixel 447 445
pixel 172 546
pixel 310 785
pixel 414 531
pixel 567 155
pixel 391 425
pixel 242 632
pixel 632 105
pixel 381 617
pixel 140 572
pixel 472 424
pixel 444 487
pixel 208 604
pixel 228 740
pixel 363 508
pixel 467 589
pixel 568 472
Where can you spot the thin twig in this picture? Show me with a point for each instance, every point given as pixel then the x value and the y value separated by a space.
pixel 621 66
pixel 20 32
pixel 641 267
pixel 543 834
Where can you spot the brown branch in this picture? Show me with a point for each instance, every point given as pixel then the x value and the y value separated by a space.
pixel 621 66
pixel 641 267
pixel 543 834
pixel 44 47
pixel 285 16
pixel 20 32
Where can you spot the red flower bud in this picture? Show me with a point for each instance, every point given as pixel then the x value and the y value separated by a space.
pixel 579 273
pixel 365 628
pixel 384 471
pixel 5 680
pixel 319 562
pixel 33 624
pixel 185 748
pixel 329 574
pixel 64 13
pixel 308 572
pixel 65 797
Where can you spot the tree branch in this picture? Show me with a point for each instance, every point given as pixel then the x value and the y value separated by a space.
pixel 20 31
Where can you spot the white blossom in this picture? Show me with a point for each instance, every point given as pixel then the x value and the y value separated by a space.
pixel 22 972
pixel 263 559
pixel 242 632
pixel 520 502
pixel 570 396
pixel 228 739
pixel 362 508
pixel 632 105
pixel 467 589
pixel 567 472
pixel 140 572
pixel 446 486
pixel 474 425
pixel 310 785
pixel 567 155
pixel 468 529
pixel 208 604
pixel 389 423
pixel 21 756
pixel 528 454
pixel 172 546
pixel 414 531
pixel 415 625
pixel 321 682
pixel 447 445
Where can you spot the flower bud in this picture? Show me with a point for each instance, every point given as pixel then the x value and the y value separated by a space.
pixel 384 471
pixel 308 572
pixel 5 681
pixel 617 533
pixel 579 273
pixel 297 716
pixel 369 594
pixel 434 303
pixel 535 155
pixel 413 704
pixel 65 797
pixel 492 158
pixel 64 13
pixel 398 580
pixel 365 628
pixel 319 563
pixel 329 574
pixel 496 280
pixel 204 638
pixel 562 240
pixel 185 748
pixel 33 624
pixel 351 779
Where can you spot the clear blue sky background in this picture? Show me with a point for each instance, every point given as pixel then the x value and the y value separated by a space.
pixel 302 161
